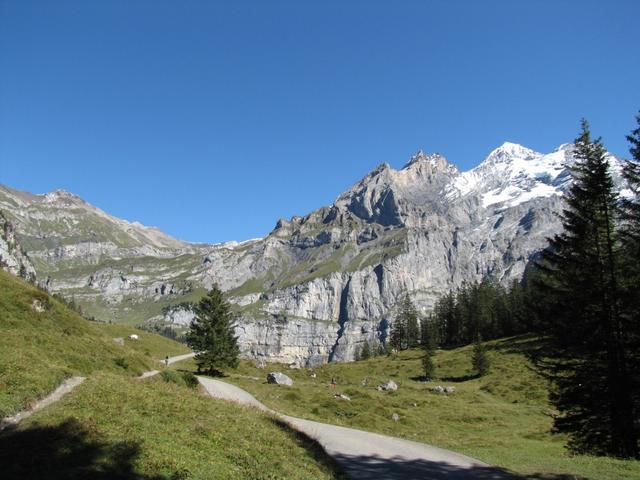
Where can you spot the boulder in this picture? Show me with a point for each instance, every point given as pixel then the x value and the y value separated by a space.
pixel 449 389
pixel 390 386
pixel 343 396
pixel 279 378
pixel 437 389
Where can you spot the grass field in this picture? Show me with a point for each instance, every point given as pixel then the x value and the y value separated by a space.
pixel 114 427
pixel 503 419
pixel 42 342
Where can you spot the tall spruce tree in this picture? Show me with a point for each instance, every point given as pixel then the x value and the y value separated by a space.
pixel 405 332
pixel 428 344
pixel 480 362
pixel 630 278
pixel 587 353
pixel 211 334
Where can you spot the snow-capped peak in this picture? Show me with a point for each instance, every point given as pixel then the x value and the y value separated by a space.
pixel 510 150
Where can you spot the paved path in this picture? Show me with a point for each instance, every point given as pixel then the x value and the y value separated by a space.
pixel 366 455
pixel 175 359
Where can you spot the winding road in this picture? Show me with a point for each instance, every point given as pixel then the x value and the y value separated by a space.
pixel 366 455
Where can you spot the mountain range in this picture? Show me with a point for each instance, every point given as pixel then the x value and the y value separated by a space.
pixel 318 285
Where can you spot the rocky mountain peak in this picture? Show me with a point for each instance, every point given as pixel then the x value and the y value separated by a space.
pixel 428 163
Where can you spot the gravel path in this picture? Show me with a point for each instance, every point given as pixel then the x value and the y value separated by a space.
pixel 366 455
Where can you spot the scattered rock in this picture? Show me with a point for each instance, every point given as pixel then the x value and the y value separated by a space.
pixel 441 389
pixel 38 305
pixel 365 382
pixel 343 396
pixel 313 375
pixel 119 341
pixel 279 378
pixel 415 404
pixel 390 386
pixel 395 417
pixel 134 336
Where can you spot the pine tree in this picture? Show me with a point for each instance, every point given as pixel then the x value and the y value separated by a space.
pixel 588 361
pixel 211 334
pixel 365 352
pixel 630 277
pixel 411 321
pixel 429 348
pixel 398 333
pixel 480 360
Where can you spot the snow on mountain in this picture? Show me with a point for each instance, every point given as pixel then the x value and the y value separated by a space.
pixel 512 174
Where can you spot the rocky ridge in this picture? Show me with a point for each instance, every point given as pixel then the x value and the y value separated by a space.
pixel 317 286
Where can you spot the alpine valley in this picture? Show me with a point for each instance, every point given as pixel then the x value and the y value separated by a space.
pixel 317 286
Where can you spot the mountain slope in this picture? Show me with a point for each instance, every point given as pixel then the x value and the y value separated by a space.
pixel 43 342
pixel 316 286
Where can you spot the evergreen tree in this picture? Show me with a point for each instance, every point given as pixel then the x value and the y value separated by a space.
pixel 480 360
pixel 630 277
pixel 411 319
pixel 211 334
pixel 365 352
pixel 398 333
pixel 429 348
pixel 405 332
pixel 588 358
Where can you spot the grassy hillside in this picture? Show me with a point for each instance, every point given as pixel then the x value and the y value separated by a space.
pixel 503 418
pixel 42 342
pixel 155 430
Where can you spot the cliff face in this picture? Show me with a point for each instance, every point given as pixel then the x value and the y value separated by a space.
pixel 314 288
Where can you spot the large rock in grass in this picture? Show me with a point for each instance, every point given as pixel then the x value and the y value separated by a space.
pixel 390 386
pixel 279 378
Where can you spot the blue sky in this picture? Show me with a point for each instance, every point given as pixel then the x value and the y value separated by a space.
pixel 212 119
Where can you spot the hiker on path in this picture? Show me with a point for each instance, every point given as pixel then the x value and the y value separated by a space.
pixel 333 383
pixel 166 361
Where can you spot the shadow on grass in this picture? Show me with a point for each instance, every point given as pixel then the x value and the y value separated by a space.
pixel 401 468
pixel 462 378
pixel 314 449
pixel 66 451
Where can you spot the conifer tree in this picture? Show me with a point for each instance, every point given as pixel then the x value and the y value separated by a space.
pixel 480 360
pixel 405 332
pixel 630 278
pixel 587 351
pixel 211 334
pixel 429 349
pixel 365 352
pixel 398 333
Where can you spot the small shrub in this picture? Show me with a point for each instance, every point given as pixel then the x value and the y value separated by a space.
pixel 121 362
pixel 190 380
pixel 171 376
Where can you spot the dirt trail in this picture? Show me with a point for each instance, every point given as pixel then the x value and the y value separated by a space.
pixel 64 388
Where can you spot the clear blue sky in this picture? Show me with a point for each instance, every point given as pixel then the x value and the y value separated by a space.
pixel 212 119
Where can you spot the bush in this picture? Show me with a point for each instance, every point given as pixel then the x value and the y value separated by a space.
pixel 121 362
pixel 186 379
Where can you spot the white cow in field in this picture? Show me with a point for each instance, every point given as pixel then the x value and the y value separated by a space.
pixel 134 336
